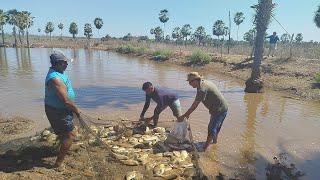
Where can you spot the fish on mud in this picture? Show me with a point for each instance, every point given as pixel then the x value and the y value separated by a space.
pixel 134 175
pixel 130 162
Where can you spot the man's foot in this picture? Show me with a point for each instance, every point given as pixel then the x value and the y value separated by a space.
pixel 59 167
pixel 215 140
pixel 57 164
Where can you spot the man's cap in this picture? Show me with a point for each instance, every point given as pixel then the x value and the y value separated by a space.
pixel 194 75
pixel 57 56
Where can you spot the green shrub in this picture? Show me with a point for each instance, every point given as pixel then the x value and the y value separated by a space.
pixel 199 57
pixel 317 77
pixel 129 49
pixel 163 53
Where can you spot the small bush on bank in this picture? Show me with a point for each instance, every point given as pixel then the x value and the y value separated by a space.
pixel 129 49
pixel 199 57
pixel 163 54
pixel 317 77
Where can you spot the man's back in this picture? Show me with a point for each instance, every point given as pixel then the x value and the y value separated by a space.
pixel 163 97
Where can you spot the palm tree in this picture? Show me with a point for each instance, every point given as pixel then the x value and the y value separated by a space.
pixel 158 33
pixel 317 17
pixel 88 31
pixel 98 23
pixel 299 38
pixel 127 37
pixel 264 11
pixel 176 34
pixel 47 32
pixel 218 28
pixel 49 28
pixel 3 19
pixel 12 20
pixel 285 38
pixel 164 17
pixel 27 22
pixel 186 31
pixel 238 19
pixel 200 34
pixel 73 29
pixel 60 26
pixel 249 36
pixel 21 23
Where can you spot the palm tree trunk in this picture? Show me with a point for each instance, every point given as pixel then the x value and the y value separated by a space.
pixel 50 36
pixel 254 84
pixel 28 44
pixel 2 33
pixel 164 27
pixel 15 36
pixel 238 33
pixel 20 38
pixel 221 48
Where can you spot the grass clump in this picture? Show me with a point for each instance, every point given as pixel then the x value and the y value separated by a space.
pixel 317 77
pixel 199 57
pixel 163 54
pixel 129 49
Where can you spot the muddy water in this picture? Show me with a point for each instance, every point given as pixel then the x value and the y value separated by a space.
pixel 257 128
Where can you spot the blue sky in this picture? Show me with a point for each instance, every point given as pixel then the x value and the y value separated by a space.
pixel 138 17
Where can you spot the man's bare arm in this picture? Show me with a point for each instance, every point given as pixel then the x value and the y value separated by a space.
pixel 61 92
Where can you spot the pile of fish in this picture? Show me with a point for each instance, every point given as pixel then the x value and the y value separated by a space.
pixel 161 155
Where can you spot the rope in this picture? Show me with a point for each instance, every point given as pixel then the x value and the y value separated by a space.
pixel 279 24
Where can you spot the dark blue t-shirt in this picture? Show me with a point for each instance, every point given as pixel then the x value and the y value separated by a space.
pixel 273 39
pixel 162 97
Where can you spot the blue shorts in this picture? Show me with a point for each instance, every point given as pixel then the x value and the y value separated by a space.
pixel 216 123
pixel 60 119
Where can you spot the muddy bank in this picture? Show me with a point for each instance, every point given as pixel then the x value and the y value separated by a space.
pixel 135 155
pixel 108 152
pixel 294 76
pixel 14 127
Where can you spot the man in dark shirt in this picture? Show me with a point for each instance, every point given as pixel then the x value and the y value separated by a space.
pixel 163 98
pixel 273 39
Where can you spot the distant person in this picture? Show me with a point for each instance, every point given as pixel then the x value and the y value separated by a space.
pixel 273 39
pixel 59 103
pixel 213 100
pixel 163 98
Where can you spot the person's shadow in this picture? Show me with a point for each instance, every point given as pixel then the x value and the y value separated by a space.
pixel 26 157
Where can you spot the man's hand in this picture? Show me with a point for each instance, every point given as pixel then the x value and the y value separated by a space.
pixel 78 113
pixel 147 120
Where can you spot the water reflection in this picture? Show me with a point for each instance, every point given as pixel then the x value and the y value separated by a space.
pixel 3 61
pixel 23 61
pixel 247 149
pixel 75 54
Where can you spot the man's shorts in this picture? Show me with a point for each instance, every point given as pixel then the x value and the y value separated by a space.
pixel 60 119
pixel 176 108
pixel 216 123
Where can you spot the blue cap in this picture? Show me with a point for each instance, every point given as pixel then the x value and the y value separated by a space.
pixel 57 56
